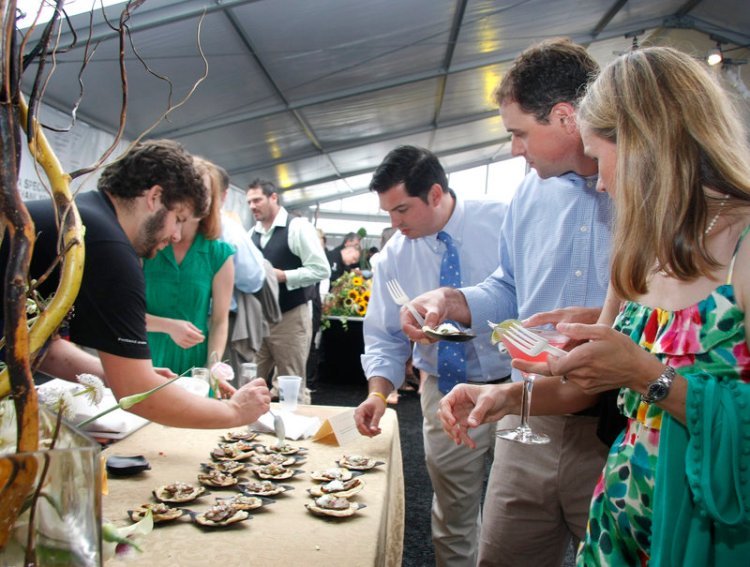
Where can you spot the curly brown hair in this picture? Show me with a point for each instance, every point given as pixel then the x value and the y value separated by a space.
pixel 156 162
pixel 553 71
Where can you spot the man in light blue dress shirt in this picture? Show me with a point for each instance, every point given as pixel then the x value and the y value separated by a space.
pixel 413 188
pixel 554 254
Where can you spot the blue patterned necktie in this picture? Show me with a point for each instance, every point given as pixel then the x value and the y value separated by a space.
pixel 451 356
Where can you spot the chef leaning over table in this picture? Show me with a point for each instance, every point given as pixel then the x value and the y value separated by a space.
pixel 142 202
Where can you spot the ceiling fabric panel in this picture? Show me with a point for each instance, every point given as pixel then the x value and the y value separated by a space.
pixel 313 94
pixel 318 48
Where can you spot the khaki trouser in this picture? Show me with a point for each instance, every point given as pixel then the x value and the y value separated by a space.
pixel 538 496
pixel 287 347
pixel 457 474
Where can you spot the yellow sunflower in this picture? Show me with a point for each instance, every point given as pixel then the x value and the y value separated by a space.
pixel 353 295
pixel 357 281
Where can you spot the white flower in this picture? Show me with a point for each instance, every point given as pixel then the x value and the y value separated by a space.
pixel 58 400
pixel 93 387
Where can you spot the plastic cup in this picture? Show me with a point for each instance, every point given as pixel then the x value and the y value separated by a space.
pixel 248 373
pixel 289 392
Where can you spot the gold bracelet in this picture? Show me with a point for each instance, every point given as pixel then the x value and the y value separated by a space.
pixel 378 395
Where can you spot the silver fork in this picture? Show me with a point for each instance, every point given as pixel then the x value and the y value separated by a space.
pixel 399 296
pixel 529 342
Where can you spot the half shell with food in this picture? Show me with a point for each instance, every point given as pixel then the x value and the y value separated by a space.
pixel 342 489
pixel 178 492
pixel 335 473
pixel 358 462
pixel 219 516
pixel 159 511
pixel 217 479
pixel 333 506
pixel 243 502
pixel 231 452
pixel 274 472
pixel 264 488
pixel 226 467
pixel 234 436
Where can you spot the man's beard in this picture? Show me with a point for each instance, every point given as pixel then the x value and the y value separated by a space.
pixel 148 240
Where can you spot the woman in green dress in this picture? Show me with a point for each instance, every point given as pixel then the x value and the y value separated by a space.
pixel 189 288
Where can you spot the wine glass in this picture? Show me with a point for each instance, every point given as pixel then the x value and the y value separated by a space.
pixel 523 433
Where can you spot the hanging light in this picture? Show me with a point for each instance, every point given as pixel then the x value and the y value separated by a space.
pixel 715 55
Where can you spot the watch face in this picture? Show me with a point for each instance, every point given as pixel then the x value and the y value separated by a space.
pixel 657 391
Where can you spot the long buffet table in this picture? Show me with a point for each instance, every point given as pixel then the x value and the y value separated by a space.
pixel 282 533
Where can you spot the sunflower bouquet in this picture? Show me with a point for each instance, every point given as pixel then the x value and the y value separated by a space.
pixel 348 296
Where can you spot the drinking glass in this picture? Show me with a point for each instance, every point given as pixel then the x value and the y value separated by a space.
pixel 523 433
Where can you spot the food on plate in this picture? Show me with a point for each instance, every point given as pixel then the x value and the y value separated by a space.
pixel 328 505
pixel 273 471
pixel 284 449
pixel 220 515
pixel 234 436
pixel 273 459
pixel 227 467
pixel 178 492
pixel 217 478
pixel 231 452
pixel 241 502
pixel 263 488
pixel 159 511
pixel 326 475
pixel 339 488
pixel 358 463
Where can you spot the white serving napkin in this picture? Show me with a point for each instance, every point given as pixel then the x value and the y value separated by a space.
pixel 296 426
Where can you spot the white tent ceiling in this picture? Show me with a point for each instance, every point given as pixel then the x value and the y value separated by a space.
pixel 309 92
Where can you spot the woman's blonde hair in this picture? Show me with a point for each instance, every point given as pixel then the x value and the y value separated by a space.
pixel 210 225
pixel 677 133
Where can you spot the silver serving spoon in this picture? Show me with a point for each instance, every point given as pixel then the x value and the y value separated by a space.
pixel 278 427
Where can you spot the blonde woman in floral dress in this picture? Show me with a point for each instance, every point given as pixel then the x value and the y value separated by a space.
pixel 673 154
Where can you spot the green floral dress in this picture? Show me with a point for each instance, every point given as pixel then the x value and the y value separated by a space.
pixel 703 342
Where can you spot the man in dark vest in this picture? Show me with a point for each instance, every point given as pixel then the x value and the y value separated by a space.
pixel 292 246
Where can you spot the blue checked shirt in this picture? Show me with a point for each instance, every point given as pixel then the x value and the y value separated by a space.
pixel 474 227
pixel 554 251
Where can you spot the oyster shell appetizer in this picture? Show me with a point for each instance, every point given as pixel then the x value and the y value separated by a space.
pixel 218 479
pixel 231 452
pixel 242 502
pixel 331 474
pixel 234 436
pixel 276 472
pixel 178 492
pixel 285 449
pixel 263 488
pixel 448 332
pixel 338 488
pixel 227 467
pixel 358 463
pixel 274 459
pixel 328 505
pixel 220 515
pixel 159 511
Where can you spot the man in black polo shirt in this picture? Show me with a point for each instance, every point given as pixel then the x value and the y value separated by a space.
pixel 142 202
pixel 292 246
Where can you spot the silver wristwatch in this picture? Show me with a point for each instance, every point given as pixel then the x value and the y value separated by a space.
pixel 657 390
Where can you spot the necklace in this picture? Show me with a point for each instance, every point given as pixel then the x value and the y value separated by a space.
pixel 711 224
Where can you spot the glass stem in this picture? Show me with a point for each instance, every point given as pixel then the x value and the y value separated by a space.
pixel 528 386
